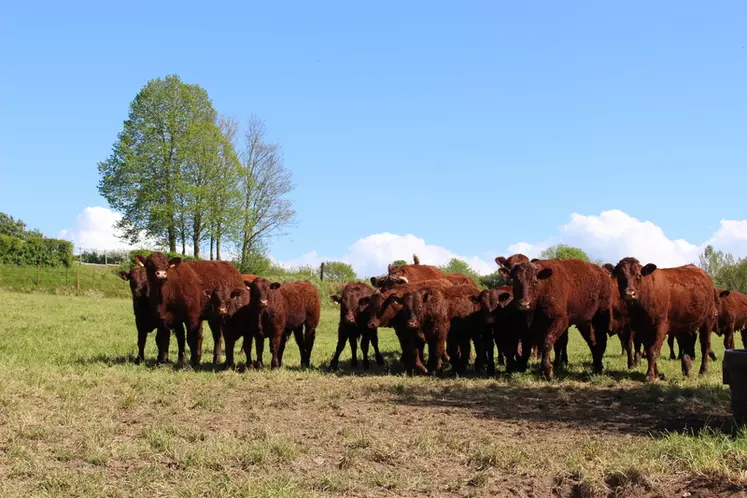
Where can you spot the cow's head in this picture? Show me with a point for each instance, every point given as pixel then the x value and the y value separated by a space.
pixel 489 301
pixel 226 301
pixel 629 274
pixel 349 303
pixel 412 304
pixel 138 280
pixel 157 265
pixel 261 288
pixel 382 309
pixel 526 277
pixel 505 265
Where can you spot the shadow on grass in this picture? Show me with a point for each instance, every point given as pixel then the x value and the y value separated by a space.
pixel 645 409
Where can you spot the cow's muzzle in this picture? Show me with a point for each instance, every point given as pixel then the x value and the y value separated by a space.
pixel 161 274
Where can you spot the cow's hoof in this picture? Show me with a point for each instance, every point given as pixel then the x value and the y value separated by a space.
pixel 379 360
pixel 138 360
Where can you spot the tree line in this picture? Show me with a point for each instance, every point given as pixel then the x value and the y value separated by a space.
pixel 186 178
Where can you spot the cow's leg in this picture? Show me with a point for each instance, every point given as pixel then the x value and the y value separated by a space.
pixel 230 345
pixel 562 343
pixel 557 328
pixel 653 347
pixel 215 328
pixel 705 346
pixel 276 338
pixel 637 344
pixel 247 346
pixel 743 333
pixel 162 341
pixel 353 339
pixel 672 355
pixel 142 338
pixel 181 343
pixel 298 335
pixel 407 343
pixel 374 333
pixel 365 341
pixel 729 336
pixel 686 341
pixel 420 357
pixel 623 348
pixel 259 342
pixel 342 338
pixel 627 339
pixel 488 345
pixel 309 336
pixel 283 342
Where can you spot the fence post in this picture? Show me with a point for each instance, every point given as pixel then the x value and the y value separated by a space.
pixel 77 281
pixel 106 261
pixel 321 272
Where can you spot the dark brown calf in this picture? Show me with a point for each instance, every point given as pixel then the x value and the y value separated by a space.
pixel 145 322
pixel 732 316
pixel 281 309
pixel 674 301
pixel 354 324
pixel 555 294
pixel 176 294
pixel 231 306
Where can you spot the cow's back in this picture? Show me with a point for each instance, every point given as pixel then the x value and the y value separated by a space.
pixel 576 288
pixel 687 293
pixel 302 303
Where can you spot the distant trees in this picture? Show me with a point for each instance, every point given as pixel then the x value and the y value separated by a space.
pixel 178 176
pixel 399 262
pixel 459 266
pixel 726 271
pixel 20 246
pixel 337 270
pixel 562 251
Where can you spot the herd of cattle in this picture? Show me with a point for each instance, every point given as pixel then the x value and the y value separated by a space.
pixel 643 305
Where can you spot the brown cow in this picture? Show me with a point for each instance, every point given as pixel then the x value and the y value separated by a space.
pixel 279 310
pixel 560 293
pixel 249 278
pixel 732 316
pixel 176 295
pixel 445 313
pixel 353 324
pixel 674 301
pixel 145 322
pixel 231 305
pixel 499 318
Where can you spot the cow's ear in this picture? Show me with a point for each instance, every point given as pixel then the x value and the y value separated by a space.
pixel 235 293
pixel 534 260
pixel 504 273
pixel 124 275
pixel 274 285
pixel 544 273
pixel 208 294
pixel 247 284
pixel 724 293
pixel 364 302
pixel 174 262
pixel 475 299
pixel 504 297
pixel 139 260
pixel 389 268
pixel 501 261
pixel 648 269
pixel 375 281
pixel 609 268
pixel 335 299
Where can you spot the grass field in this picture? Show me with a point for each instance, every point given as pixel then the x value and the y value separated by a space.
pixel 78 418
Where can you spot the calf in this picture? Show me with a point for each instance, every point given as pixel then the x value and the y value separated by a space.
pixel 354 324
pixel 145 322
pixel 231 306
pixel 555 294
pixel 279 310
pixel 176 295
pixel 674 301
pixel 404 274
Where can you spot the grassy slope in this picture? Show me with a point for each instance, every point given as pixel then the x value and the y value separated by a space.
pixel 78 418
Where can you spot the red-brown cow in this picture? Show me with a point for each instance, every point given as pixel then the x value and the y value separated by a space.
pixel 560 293
pixel 354 324
pixel 675 301
pixel 231 305
pixel 279 310
pixel 145 322
pixel 732 316
pixel 176 295
pixel 499 318
pixel 442 314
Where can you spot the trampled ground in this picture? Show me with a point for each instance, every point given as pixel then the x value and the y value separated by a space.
pixel 78 418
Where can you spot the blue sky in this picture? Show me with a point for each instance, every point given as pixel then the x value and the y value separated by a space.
pixel 473 126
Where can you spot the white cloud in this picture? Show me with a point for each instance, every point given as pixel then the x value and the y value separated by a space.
pixel 95 228
pixel 613 235
pixel 371 255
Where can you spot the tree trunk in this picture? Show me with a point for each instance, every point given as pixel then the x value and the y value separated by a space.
pixel 172 239
pixel 212 243
pixel 196 229
pixel 184 245
pixel 217 249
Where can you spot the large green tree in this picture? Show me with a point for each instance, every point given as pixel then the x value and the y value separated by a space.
pixel 458 266
pixel 155 173
pixel 337 270
pixel 562 251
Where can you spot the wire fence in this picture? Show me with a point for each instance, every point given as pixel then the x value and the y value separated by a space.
pixel 95 272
